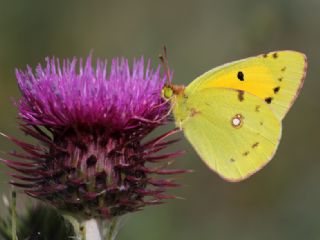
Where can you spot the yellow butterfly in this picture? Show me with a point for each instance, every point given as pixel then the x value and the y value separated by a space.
pixel 232 114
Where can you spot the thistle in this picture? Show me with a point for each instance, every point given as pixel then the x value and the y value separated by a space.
pixel 92 160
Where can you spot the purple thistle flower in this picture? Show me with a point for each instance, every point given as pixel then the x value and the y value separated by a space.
pixel 91 160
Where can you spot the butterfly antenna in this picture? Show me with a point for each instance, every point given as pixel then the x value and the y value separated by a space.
pixel 164 60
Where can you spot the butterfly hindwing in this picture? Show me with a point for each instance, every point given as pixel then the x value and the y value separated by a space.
pixel 234 132
pixel 275 78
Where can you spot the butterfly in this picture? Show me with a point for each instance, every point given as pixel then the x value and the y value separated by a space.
pixel 232 115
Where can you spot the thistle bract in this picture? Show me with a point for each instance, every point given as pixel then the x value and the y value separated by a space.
pixel 92 160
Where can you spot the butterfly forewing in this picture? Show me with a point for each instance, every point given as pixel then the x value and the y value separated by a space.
pixel 276 78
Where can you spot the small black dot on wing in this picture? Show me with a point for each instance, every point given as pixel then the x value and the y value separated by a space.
pixel 276 89
pixel 240 95
pixel 246 153
pixel 268 100
pixel 240 76
pixel 256 144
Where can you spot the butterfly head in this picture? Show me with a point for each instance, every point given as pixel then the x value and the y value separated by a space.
pixel 169 91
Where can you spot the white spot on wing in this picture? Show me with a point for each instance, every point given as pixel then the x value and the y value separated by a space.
pixel 237 121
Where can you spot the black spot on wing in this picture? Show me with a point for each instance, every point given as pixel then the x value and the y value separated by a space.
pixel 240 76
pixel 283 69
pixel 240 95
pixel 257 109
pixel 255 145
pixel 268 100
pixel 280 79
pixel 275 55
pixel 276 90
pixel 246 153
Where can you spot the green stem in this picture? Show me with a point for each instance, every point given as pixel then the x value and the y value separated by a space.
pixel 113 229
pixel 14 215
pixel 109 229
pixel 106 229
pixel 83 231
pixel 76 227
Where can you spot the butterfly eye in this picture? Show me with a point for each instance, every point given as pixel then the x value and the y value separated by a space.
pixel 167 92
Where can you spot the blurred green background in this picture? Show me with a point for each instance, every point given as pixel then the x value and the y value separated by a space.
pixel 281 201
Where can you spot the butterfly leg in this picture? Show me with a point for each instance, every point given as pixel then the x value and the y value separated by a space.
pixel 159 120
